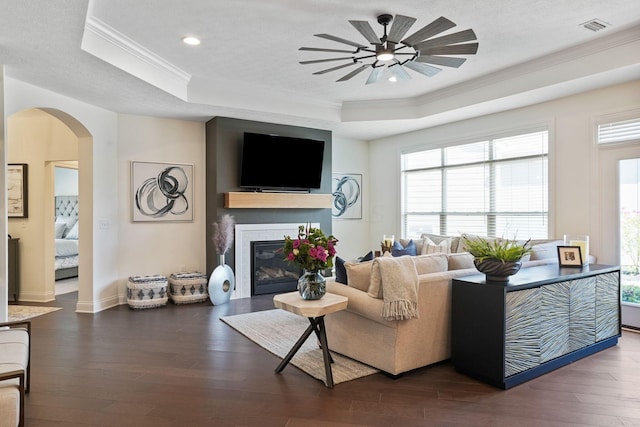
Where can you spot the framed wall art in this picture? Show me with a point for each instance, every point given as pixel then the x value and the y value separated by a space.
pixel 346 189
pixel 17 190
pixel 161 192
pixel 569 256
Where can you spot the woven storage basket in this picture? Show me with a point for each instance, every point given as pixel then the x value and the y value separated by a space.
pixel 187 288
pixel 147 291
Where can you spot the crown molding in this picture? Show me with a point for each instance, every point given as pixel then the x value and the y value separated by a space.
pixel 105 42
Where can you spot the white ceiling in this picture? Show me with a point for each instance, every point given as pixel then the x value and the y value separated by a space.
pixel 127 56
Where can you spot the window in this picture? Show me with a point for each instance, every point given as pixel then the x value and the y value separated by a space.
pixel 494 188
pixel 621 131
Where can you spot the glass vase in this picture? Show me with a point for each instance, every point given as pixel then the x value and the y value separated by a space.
pixel 312 285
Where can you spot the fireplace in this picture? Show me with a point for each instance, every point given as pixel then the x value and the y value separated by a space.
pixel 245 235
pixel 270 273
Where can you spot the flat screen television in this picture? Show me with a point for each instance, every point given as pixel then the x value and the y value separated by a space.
pixel 280 163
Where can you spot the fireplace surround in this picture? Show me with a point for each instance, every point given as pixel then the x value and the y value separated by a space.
pixel 247 233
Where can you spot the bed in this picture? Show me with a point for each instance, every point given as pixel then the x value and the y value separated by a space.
pixel 66 239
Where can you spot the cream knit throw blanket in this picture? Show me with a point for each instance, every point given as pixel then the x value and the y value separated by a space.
pixel 397 281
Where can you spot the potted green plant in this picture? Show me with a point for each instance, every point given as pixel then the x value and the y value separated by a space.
pixel 498 258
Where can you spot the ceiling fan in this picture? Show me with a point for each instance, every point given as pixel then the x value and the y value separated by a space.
pixel 419 52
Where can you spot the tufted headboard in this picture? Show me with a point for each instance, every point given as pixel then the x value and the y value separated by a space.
pixel 67 206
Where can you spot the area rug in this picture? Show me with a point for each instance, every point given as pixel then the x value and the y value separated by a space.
pixel 23 312
pixel 278 330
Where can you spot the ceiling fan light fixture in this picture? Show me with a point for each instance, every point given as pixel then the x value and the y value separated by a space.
pixel 395 53
pixel 385 54
pixel 191 41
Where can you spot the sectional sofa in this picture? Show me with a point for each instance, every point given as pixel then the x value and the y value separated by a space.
pixel 397 346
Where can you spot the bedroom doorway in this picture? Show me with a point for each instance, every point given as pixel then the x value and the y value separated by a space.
pixel 41 138
pixel 67 216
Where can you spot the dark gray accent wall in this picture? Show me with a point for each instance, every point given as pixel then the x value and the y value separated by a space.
pixel 224 138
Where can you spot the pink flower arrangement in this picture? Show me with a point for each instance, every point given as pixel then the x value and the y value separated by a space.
pixel 311 249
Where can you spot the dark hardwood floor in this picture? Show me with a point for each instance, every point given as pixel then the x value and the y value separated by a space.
pixel 182 366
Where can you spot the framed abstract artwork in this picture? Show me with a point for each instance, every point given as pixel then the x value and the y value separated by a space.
pixel 17 190
pixel 161 192
pixel 346 189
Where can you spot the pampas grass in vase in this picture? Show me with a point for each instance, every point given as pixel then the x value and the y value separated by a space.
pixel 222 281
pixel 223 235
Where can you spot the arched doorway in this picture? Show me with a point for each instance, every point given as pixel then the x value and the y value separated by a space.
pixel 41 137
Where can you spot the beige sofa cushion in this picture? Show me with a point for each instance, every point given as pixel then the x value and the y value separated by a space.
pixel 359 274
pixel 545 250
pixel 460 261
pixel 431 263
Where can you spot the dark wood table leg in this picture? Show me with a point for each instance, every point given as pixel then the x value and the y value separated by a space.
pixel 316 324
pixel 316 328
pixel 295 348
pixel 325 353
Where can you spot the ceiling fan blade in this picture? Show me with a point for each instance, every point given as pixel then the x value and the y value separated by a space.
pixel 334 68
pixel 399 27
pixel 353 73
pixel 436 27
pixel 367 32
pixel 462 36
pixel 317 61
pixel 399 72
pixel 454 49
pixel 423 68
pixel 319 49
pixel 441 60
pixel 375 75
pixel 340 40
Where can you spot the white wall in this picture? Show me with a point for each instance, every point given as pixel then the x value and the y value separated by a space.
pixel 351 156
pixel 120 248
pixel 66 181
pixel 159 247
pixel 574 202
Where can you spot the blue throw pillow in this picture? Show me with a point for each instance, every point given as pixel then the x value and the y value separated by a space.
pixel 341 272
pixel 367 257
pixel 398 250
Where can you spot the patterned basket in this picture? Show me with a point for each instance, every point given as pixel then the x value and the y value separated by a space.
pixel 187 288
pixel 147 291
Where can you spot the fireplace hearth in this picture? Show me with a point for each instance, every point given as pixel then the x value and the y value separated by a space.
pixel 270 273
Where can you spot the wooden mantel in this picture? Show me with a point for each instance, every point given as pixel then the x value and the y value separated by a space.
pixel 254 200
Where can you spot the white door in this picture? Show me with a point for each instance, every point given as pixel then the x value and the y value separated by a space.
pixel 619 184
pixel 629 211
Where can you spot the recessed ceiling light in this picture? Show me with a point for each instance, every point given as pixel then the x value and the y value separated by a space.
pixel 191 41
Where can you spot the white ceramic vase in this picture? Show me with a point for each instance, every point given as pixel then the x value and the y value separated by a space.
pixel 221 283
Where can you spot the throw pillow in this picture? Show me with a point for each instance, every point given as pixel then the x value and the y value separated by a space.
pixel 436 238
pixel 430 247
pixel 73 233
pixel 545 250
pixel 432 263
pixel 460 261
pixel 398 250
pixel 60 228
pixel 359 274
pixel 341 271
pixel 69 222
